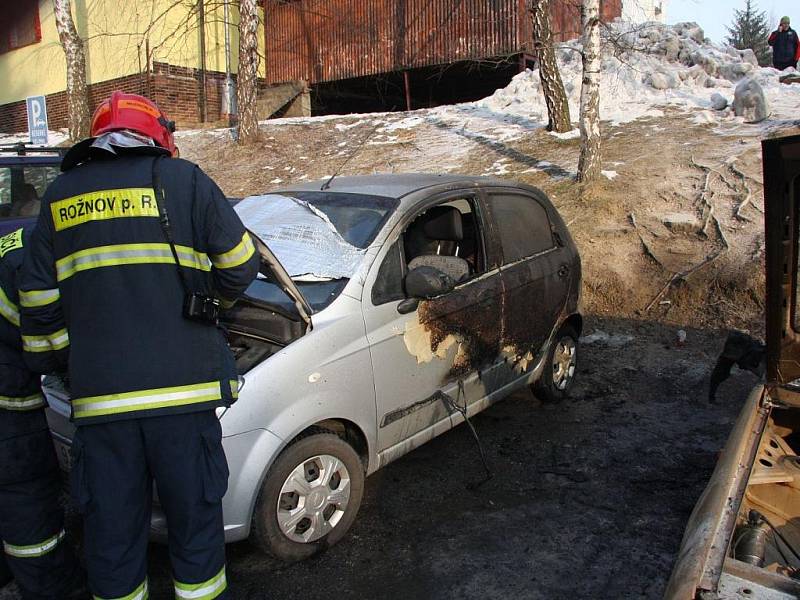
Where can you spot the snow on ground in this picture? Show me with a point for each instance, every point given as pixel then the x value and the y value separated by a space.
pixel 647 69
pixel 54 138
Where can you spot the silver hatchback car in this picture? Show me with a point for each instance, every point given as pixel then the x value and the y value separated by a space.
pixel 389 308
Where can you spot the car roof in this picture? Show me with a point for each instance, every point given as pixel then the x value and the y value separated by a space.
pixel 395 185
pixel 22 154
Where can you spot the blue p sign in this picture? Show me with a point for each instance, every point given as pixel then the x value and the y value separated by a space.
pixel 37 119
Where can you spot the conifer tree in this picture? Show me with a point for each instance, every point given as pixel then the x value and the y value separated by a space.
pixel 750 30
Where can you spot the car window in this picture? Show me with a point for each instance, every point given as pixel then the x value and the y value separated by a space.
pixel 419 240
pixel 21 189
pixel 523 225
pixel 416 242
pixel 389 284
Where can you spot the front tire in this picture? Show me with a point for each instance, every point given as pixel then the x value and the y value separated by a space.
pixel 309 498
pixel 559 371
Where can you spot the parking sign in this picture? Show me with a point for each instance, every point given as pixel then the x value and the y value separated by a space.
pixel 37 119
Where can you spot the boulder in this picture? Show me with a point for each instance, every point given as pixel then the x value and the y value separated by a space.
pixel 708 62
pixel 671 48
pixel 663 81
pixel 690 30
pixel 719 102
pixel 713 83
pixel 696 72
pixel 731 51
pixel 748 56
pixel 735 71
pixel 750 102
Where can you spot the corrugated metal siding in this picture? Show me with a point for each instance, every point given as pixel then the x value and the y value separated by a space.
pixel 327 40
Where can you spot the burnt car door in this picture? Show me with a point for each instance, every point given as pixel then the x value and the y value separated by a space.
pixel 743 536
pixel 537 271
pixel 429 354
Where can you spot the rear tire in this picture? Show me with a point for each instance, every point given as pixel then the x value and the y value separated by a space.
pixel 309 498
pixel 559 371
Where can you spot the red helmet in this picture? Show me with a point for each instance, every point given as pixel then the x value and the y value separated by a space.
pixel 137 113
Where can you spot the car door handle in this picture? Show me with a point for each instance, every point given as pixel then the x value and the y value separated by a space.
pixel 563 271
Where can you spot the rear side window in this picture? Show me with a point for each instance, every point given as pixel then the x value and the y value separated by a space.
pixel 21 189
pixel 523 225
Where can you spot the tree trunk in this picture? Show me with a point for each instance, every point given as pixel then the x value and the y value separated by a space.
pixel 554 95
pixel 247 89
pixel 589 162
pixel 77 92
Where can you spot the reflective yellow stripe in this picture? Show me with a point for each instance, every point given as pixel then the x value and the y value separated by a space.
pixel 102 205
pixel 240 254
pixel 234 388
pixel 128 254
pixel 8 309
pixel 45 343
pixel 34 550
pixel 31 402
pixel 34 298
pixel 112 404
pixel 11 241
pixel 207 590
pixel 140 593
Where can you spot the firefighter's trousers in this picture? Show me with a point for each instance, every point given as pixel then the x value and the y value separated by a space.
pixel 114 467
pixel 31 517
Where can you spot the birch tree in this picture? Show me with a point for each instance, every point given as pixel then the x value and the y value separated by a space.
pixel 247 88
pixel 77 92
pixel 553 88
pixel 590 158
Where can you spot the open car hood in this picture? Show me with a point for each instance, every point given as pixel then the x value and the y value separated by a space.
pixel 781 158
pixel 272 268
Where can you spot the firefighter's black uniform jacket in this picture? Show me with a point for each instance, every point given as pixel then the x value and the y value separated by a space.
pixel 101 293
pixel 31 518
pixel 19 387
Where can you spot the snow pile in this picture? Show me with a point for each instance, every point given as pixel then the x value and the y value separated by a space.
pixel 647 67
pixel 54 138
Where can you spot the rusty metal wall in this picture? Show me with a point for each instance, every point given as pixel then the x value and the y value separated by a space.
pixel 328 40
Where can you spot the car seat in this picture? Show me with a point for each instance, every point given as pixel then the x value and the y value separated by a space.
pixel 433 240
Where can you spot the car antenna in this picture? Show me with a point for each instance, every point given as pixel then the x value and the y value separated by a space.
pixel 327 184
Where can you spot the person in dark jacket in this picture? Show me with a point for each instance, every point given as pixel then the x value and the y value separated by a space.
pixel 36 553
pixel 133 254
pixel 785 46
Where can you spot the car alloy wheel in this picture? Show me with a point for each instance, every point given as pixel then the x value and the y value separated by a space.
pixel 564 361
pixel 559 372
pixel 313 499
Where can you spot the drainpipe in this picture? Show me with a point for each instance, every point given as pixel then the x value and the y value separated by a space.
pixel 229 97
pixel 202 25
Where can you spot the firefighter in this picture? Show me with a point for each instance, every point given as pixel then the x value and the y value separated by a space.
pixel 133 254
pixel 36 552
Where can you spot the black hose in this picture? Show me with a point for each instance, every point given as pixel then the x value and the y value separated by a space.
pixel 452 405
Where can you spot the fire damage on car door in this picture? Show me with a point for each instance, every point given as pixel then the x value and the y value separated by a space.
pixel 432 344
pixel 459 346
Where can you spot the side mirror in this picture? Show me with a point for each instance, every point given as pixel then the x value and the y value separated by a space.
pixel 427 282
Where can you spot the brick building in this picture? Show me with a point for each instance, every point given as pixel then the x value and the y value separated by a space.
pixel 354 55
pixel 152 48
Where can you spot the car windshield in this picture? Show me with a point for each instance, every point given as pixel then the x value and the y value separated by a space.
pixel 317 236
pixel 21 188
